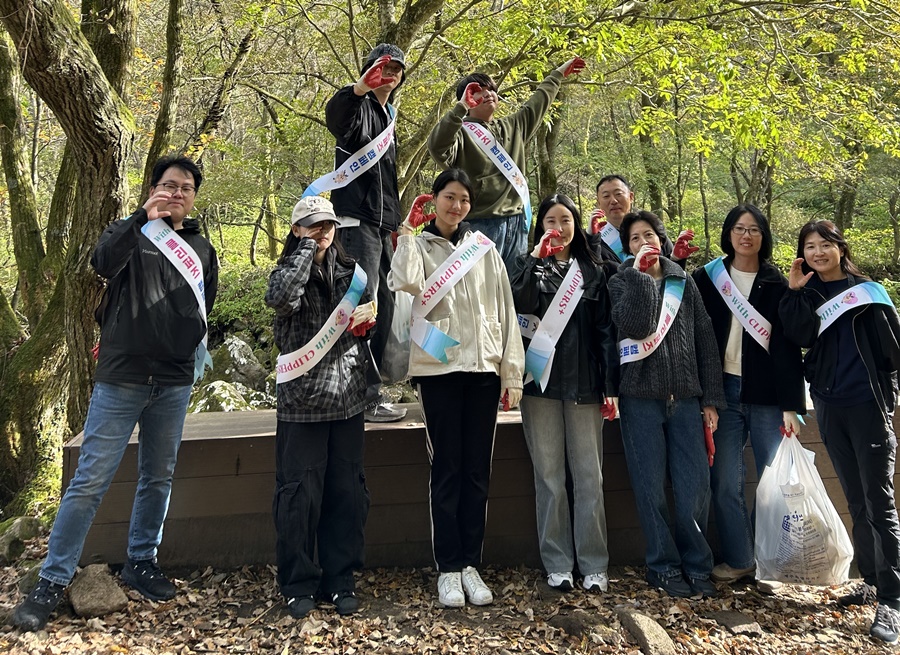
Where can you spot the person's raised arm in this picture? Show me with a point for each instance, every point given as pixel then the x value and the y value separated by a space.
pixel 287 283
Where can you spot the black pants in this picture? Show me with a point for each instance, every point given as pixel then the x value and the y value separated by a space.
pixel 460 422
pixel 862 447
pixel 371 247
pixel 320 495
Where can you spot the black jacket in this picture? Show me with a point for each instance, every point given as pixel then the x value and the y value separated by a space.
pixel 876 330
pixel 303 296
pixel 773 378
pixel 150 325
pixel 685 364
pixel 373 197
pixel 585 367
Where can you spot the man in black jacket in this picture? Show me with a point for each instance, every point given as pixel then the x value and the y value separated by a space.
pixel 356 115
pixel 160 269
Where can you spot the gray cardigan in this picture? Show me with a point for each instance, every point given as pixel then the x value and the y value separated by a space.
pixel 686 364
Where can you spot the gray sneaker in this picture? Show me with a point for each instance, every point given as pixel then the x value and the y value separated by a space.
pixel 383 412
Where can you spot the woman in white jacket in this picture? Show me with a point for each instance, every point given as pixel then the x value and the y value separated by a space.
pixel 466 349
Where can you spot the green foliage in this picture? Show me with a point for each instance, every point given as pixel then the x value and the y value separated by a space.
pixel 241 298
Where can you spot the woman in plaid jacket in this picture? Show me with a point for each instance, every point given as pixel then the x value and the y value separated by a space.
pixel 320 496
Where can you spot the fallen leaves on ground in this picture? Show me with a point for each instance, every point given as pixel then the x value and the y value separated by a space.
pixel 242 612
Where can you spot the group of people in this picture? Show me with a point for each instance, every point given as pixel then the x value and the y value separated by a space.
pixel 594 323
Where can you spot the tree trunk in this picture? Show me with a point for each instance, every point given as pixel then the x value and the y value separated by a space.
pixel 894 213
pixel 26 230
pixel 702 182
pixel 652 165
pixel 10 330
pixel 222 100
pixel 546 143
pixel 171 93
pixel 39 404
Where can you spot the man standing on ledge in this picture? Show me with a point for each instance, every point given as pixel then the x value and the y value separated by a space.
pixel 152 331
pixel 469 138
pixel 356 115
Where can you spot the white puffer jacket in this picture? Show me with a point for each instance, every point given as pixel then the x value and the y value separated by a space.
pixel 478 311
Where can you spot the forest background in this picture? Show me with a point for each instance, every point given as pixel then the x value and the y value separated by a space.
pixel 703 104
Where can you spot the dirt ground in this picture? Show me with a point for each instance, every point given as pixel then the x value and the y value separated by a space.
pixel 241 611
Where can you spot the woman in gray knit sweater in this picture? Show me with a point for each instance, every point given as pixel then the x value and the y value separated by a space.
pixel 670 387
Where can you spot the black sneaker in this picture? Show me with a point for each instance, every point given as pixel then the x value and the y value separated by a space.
pixel 886 626
pixel 301 606
pixel 345 602
pixel 703 587
pixel 673 585
pixel 33 612
pixel 145 576
pixel 861 594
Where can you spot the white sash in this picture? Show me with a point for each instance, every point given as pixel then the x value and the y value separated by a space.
pixel 357 163
pixel 756 325
pixel 188 264
pixel 301 361
pixel 633 351
pixel 540 353
pixel 610 236
pixel 452 270
pixel 865 293
pixel 483 138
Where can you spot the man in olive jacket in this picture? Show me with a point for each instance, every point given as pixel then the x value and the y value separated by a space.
pixel 497 209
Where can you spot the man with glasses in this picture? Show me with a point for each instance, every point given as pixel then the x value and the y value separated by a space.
pixel 159 269
pixel 498 208
pixel 369 206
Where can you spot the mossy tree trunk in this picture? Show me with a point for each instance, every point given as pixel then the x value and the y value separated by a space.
pixel 171 93
pixel 46 385
pixel 28 246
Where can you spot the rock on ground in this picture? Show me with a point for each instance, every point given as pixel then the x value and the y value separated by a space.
pixel 220 396
pixel 648 633
pixel 94 592
pixel 13 538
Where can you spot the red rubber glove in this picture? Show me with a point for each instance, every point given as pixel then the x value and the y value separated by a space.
pixel 373 77
pixel 609 409
pixel 647 257
pixel 417 215
pixel 361 329
pixel 573 67
pixel 95 351
pixel 683 248
pixel 597 222
pixel 469 94
pixel 394 235
pixel 504 401
pixel 710 444
pixel 544 248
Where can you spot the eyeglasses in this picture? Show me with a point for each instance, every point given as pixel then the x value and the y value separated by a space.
pixel 173 188
pixel 740 230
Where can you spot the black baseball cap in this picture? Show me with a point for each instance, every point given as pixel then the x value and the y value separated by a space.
pixel 381 50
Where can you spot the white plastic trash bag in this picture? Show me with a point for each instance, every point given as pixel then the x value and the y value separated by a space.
pixel 395 362
pixel 799 536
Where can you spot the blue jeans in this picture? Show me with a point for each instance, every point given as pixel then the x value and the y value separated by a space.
pixel 554 431
pixel 736 423
pixel 661 435
pixel 509 233
pixel 114 411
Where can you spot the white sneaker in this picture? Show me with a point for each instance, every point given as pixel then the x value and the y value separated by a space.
pixel 560 581
pixel 476 591
pixel 450 593
pixel 725 573
pixel 596 582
